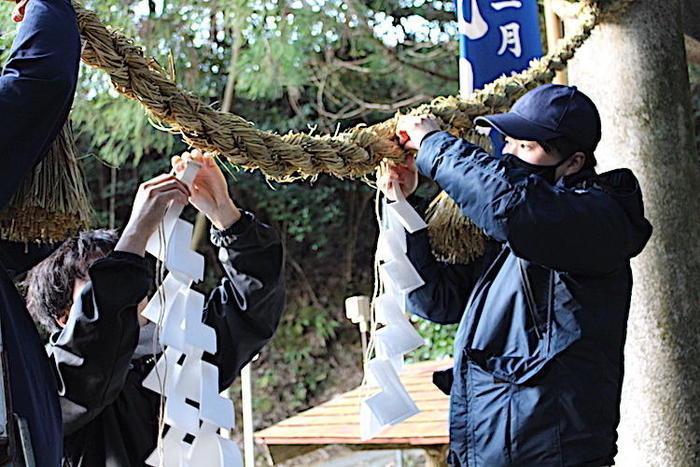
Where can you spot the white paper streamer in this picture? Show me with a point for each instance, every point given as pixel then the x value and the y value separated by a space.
pixel 392 404
pixel 190 386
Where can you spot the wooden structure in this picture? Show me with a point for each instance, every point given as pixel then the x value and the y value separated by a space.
pixel 555 25
pixel 337 422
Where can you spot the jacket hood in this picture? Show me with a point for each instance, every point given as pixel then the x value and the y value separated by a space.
pixel 623 187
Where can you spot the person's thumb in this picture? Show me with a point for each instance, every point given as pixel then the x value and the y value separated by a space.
pixel 18 12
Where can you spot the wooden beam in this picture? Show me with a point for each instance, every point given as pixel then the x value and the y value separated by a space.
pixel 555 34
pixel 352 442
pixel 564 9
pixel 283 452
pixel 436 454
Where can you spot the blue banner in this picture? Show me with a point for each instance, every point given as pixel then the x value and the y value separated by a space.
pixel 497 37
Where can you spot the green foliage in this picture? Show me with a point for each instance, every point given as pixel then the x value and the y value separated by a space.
pixel 123 131
pixel 305 213
pixel 439 340
pixel 295 65
pixel 298 352
pixel 7 29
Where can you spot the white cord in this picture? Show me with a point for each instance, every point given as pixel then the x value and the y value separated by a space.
pixel 160 273
pixel 377 290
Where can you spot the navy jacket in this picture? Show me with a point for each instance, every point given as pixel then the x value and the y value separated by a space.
pixel 542 313
pixel 36 91
pixel 109 418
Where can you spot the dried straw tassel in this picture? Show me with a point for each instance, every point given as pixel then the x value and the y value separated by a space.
pixel 453 237
pixel 52 203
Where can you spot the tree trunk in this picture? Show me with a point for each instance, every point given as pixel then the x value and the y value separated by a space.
pixel 635 70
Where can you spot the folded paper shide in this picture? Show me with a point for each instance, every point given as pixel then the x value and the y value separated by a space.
pixel 392 404
pixel 180 375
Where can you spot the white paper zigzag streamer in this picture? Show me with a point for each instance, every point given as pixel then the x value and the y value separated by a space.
pixel 392 404
pixel 194 410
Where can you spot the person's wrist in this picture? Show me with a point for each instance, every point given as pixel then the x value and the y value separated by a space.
pixel 132 241
pixel 225 215
pixel 427 135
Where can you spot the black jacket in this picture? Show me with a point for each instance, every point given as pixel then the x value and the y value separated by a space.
pixel 36 91
pixel 542 313
pixel 109 418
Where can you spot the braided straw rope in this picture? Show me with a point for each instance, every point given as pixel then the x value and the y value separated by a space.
pixel 353 153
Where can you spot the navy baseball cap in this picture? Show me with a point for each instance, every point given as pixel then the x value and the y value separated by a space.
pixel 547 112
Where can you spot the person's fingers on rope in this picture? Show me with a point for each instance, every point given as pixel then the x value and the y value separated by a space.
pixel 177 163
pixel 405 175
pixel 210 160
pixel 198 156
pixel 404 130
pixel 387 177
pixel 205 158
pixel 186 157
pixel 411 129
pixel 209 191
pixel 19 10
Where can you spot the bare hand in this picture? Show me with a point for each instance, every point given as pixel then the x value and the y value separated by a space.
pixel 412 129
pixel 152 200
pixel 403 175
pixel 19 10
pixel 209 192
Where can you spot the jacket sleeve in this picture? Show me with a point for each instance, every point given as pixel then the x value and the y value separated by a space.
pixel 444 296
pixel 92 353
pixel 574 230
pixel 246 308
pixel 36 88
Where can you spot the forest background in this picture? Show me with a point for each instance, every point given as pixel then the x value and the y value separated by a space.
pixel 304 65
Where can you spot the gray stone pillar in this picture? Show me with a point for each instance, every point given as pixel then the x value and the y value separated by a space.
pixel 635 71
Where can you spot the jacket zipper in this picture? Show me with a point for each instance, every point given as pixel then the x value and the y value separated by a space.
pixel 529 297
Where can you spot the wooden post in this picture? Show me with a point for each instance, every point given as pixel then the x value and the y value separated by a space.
pixel 247 402
pixel 555 33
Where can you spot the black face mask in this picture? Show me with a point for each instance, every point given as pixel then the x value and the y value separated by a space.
pixel 548 172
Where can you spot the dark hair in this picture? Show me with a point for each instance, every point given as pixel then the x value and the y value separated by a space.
pixel 566 148
pixel 50 283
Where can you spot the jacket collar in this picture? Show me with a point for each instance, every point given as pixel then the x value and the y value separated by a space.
pixel 582 177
